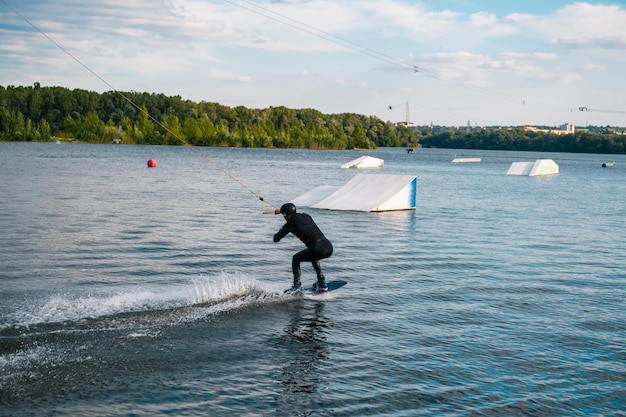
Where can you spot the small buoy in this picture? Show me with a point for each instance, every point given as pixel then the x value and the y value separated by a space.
pixel 151 163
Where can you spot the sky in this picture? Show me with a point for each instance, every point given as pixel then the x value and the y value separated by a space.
pixel 439 62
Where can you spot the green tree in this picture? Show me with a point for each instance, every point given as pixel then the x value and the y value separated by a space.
pixel 191 130
pixel 172 130
pixel 13 125
pixel 45 133
pixel 92 129
pixel 143 130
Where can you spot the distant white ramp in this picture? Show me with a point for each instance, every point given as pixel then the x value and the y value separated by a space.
pixel 364 192
pixel 365 162
pixel 534 169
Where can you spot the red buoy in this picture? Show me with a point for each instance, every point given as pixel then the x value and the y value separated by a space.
pixel 151 163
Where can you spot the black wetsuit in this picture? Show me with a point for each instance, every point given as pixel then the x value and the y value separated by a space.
pixel 317 246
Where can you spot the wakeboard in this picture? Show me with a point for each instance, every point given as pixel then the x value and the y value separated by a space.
pixel 332 285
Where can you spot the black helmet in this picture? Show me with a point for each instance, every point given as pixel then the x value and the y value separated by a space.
pixel 288 208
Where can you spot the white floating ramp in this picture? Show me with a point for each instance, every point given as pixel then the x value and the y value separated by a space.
pixel 364 192
pixel 465 160
pixel 534 169
pixel 364 162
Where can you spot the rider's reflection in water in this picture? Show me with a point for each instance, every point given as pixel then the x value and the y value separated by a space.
pixel 304 338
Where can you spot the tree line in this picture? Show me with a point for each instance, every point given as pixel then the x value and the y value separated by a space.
pixel 37 113
pixel 592 140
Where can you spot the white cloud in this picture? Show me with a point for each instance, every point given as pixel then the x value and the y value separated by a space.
pixel 569 77
pixel 227 75
pixel 584 25
pixel 491 25
pixel 593 67
pixel 410 18
pixel 608 42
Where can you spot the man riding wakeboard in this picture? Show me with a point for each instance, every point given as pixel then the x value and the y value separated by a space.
pixel 317 246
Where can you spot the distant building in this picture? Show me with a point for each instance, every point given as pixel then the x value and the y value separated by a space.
pixel 564 129
pixel 568 128
pixel 405 124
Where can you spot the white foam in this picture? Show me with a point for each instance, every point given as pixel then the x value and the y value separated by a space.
pixel 228 288
pixel 28 361
pixel 224 286
pixel 144 333
pixel 331 295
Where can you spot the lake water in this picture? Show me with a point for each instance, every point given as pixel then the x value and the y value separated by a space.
pixel 136 291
